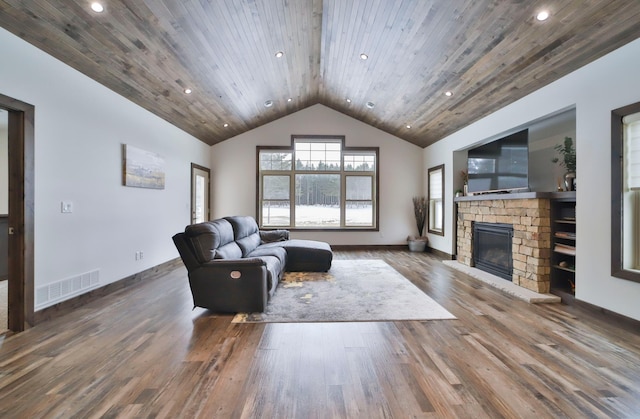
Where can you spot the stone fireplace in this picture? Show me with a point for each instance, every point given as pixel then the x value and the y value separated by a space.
pixel 529 214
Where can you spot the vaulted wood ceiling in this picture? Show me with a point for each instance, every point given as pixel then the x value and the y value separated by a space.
pixel 489 53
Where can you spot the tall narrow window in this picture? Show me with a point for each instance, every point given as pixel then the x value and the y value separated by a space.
pixel 275 187
pixel 435 177
pixel 631 191
pixel 318 183
pixel 359 178
pixel 625 190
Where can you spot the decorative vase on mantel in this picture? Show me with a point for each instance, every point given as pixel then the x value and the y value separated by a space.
pixel 567 159
pixel 570 181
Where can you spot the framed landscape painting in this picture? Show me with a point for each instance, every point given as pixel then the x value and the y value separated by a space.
pixel 141 168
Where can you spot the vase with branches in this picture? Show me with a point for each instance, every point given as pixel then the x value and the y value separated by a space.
pixel 418 243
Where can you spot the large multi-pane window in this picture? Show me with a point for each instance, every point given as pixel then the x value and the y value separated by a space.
pixel 625 177
pixel 435 211
pixel 318 183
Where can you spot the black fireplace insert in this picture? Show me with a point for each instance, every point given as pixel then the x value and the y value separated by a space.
pixel 492 249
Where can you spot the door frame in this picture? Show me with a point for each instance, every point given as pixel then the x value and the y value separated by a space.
pixel 21 212
pixel 204 169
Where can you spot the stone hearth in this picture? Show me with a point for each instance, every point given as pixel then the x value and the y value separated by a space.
pixel 530 215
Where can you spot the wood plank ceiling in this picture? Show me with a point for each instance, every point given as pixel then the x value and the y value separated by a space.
pixel 489 53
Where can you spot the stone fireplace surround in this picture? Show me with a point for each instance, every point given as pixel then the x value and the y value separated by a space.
pixel 530 215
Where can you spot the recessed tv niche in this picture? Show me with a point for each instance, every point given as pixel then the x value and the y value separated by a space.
pixel 500 166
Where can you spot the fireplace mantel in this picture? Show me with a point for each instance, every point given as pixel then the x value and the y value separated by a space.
pixel 518 195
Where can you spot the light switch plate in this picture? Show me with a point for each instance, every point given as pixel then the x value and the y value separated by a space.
pixel 66 207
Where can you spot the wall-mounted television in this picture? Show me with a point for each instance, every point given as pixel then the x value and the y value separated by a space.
pixel 500 166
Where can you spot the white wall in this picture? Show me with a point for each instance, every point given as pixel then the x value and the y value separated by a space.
pixel 80 126
pixel 595 90
pixel 234 172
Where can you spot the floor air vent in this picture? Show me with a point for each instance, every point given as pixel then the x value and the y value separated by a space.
pixel 49 294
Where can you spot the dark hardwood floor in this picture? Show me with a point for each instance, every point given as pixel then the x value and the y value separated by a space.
pixel 142 352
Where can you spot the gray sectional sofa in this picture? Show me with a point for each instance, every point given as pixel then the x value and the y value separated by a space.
pixel 235 267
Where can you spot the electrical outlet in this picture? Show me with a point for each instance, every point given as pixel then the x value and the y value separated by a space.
pixel 66 207
pixel 137 255
pixel 141 254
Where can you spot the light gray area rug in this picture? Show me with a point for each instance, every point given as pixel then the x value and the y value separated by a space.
pixel 352 291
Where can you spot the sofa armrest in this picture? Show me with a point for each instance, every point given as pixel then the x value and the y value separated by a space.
pixel 270 236
pixel 246 262
pixel 185 251
pixel 230 285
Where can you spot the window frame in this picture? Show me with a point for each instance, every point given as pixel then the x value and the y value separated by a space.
pixel 431 230
pixel 617 194
pixel 344 150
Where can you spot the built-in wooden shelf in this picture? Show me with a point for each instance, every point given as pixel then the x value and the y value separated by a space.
pixel 564 268
pixel 563 245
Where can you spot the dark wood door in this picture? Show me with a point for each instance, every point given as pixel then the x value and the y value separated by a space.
pixel 20 229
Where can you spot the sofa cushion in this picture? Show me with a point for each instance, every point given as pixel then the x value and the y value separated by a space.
pixel 308 255
pixel 243 225
pixel 275 269
pixel 206 237
pixel 229 251
pixel 268 250
pixel 248 244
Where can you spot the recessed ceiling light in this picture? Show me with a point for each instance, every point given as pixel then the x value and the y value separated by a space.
pixel 225 125
pixel 97 7
pixel 290 100
pixel 187 91
pixel 370 105
pixel 268 103
pixel 448 93
pixel 364 56
pixel 408 126
pixel 542 15
pixel 348 100
pixel 279 54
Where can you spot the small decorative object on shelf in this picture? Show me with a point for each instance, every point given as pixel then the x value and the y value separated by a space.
pixel 570 181
pixel 568 161
pixel 419 243
pixel 465 180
